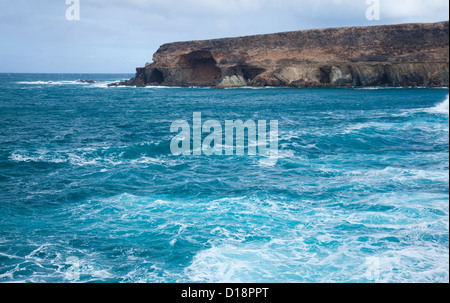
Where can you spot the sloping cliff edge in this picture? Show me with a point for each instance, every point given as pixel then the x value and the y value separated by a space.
pixel 390 55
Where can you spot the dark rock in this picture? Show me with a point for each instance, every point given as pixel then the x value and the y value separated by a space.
pixel 389 55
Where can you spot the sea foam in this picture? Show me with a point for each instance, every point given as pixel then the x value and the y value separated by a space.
pixel 441 108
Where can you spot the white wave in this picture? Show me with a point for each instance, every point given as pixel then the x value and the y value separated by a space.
pixel 85 157
pixel 155 161
pixel 42 156
pixel 441 108
pixel 34 82
pixel 96 84
pixel 100 84
pixel 52 83
pixel 262 87
pixel 164 87
pixel 10 256
pixel 396 175
pixel 105 84
pixel 355 128
pixel 383 87
pixel 409 264
pixel 384 126
pixel 291 257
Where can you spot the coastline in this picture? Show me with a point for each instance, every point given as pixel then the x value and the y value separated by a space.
pixel 405 55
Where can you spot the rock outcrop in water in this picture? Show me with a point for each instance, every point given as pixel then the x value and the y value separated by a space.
pixel 390 55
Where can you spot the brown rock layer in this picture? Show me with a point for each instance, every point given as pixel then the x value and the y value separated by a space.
pixel 390 55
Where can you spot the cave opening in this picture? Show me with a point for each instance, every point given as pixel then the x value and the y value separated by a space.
pixel 384 80
pixel 156 76
pixel 202 67
pixel 248 72
pixel 325 75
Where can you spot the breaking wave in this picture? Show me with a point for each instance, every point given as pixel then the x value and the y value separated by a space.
pixel 441 108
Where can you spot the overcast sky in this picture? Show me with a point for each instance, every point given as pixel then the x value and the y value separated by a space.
pixel 116 36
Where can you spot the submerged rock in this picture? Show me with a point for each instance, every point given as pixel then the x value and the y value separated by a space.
pixel 389 55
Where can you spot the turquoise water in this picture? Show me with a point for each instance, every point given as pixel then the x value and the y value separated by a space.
pixel 360 192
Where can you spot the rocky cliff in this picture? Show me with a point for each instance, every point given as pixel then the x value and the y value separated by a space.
pixel 390 55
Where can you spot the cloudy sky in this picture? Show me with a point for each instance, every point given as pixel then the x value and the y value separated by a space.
pixel 116 36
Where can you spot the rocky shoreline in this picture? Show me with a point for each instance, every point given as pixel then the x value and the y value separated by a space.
pixel 405 55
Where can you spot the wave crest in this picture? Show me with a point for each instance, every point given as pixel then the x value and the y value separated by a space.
pixel 441 108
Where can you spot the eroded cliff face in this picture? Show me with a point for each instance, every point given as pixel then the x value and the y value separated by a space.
pixel 391 55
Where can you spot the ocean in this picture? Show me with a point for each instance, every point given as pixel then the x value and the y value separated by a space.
pixel 90 191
